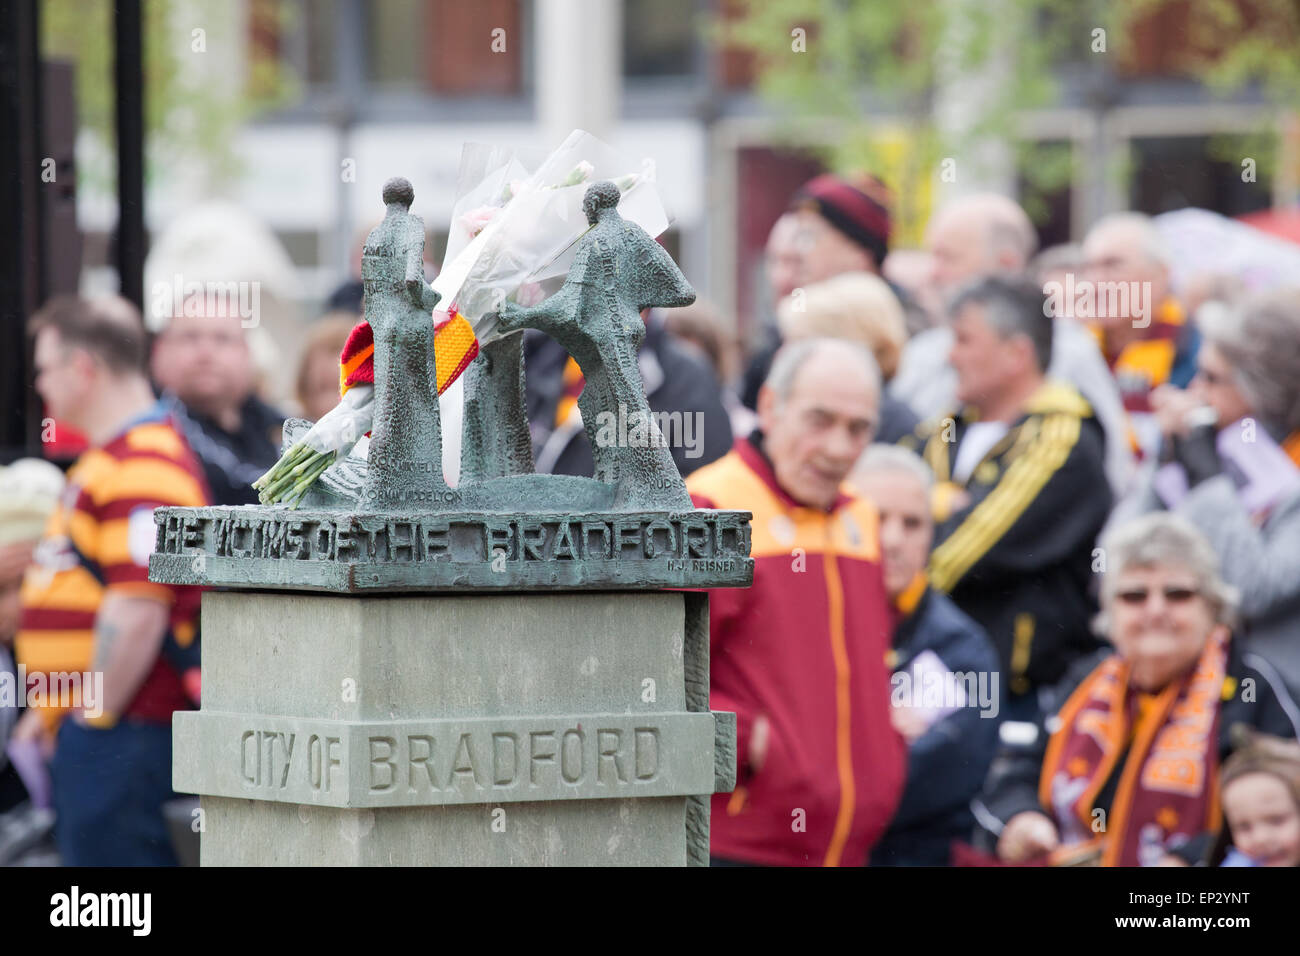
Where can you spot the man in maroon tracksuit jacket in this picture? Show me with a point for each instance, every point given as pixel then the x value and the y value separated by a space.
pixel 800 656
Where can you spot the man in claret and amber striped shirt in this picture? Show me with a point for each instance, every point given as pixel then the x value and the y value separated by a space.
pixel 88 603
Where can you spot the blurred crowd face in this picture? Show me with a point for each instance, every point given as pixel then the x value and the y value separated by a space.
pixel 784 261
pixel 906 531
pixel 803 248
pixel 826 252
pixel 205 361
pixel 911 270
pixel 957 241
pixel 66 376
pixel 816 433
pixel 1117 253
pixel 320 385
pixel 987 364
pixel 1159 623
pixel 1215 385
pixel 972 238
pixel 1264 819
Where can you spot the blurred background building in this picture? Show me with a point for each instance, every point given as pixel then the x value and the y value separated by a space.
pixel 298 110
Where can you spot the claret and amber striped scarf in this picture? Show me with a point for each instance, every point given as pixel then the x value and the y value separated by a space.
pixel 454 347
pixel 1142 365
pixel 1168 789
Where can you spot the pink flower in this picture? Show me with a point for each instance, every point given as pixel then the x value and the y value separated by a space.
pixel 476 220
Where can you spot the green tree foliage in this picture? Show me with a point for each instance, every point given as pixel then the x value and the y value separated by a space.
pixel 188 118
pixel 865 66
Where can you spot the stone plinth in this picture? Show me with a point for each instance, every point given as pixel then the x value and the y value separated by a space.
pixel 441 729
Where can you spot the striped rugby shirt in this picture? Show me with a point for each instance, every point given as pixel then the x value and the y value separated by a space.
pixel 99 540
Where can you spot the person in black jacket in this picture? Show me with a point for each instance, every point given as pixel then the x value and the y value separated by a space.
pixel 1123 770
pixel 1022 490
pixel 677 383
pixel 946 690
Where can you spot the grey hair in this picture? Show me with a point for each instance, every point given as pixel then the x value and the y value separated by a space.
pixel 895 458
pixel 792 356
pixel 1160 539
pixel 1260 339
pixel 1012 307
pixel 1154 246
pixel 1066 255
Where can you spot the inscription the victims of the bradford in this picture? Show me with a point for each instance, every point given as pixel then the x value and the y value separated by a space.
pixel 379 539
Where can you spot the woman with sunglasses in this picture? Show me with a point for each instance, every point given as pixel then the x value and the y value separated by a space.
pixel 1230 464
pixel 1123 770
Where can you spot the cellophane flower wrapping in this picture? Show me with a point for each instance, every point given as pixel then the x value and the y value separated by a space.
pixel 513 234
pixel 513 237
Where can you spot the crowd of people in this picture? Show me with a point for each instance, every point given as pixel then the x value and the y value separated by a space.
pixel 1026 549
pixel 1054 501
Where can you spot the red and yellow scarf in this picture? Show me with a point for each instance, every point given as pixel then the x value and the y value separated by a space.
pixel 1146 363
pixel 1168 785
pixel 454 347
pixel 574 382
pixel 1292 447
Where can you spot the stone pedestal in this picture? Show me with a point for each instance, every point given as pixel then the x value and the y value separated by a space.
pixel 438 729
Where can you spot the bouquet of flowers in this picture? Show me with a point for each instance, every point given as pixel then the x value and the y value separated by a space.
pixel 513 238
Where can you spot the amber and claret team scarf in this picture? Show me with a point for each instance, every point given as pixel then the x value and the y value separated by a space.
pixel 454 347
pixel 574 381
pixel 1168 785
pixel 1146 363
pixel 1292 447
pixel 1143 365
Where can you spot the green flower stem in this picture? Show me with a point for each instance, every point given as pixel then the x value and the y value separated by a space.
pixel 277 488
pixel 273 490
pixel 290 458
pixel 298 480
pixel 304 485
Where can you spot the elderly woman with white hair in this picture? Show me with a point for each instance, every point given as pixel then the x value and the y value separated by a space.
pixel 1230 463
pixel 1123 770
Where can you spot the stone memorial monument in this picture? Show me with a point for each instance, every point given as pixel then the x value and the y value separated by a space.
pixel 512 671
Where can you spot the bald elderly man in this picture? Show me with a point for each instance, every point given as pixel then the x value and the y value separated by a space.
pixel 800 656
pixel 982 235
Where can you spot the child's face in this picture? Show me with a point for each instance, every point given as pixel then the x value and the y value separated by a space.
pixel 1264 818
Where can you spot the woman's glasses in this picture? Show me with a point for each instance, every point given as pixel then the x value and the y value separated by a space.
pixel 1174 594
